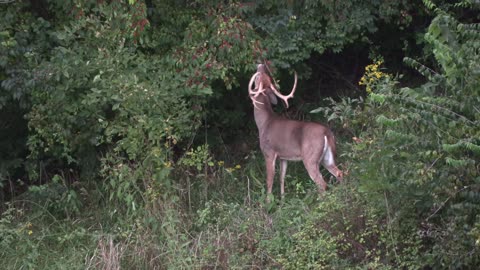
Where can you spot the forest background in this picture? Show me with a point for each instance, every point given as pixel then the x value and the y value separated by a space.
pixel 127 137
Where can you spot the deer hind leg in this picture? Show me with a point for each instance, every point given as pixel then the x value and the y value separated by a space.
pixel 283 171
pixel 335 171
pixel 314 173
pixel 328 162
pixel 270 164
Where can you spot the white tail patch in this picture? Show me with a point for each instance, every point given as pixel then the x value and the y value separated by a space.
pixel 325 148
pixel 327 158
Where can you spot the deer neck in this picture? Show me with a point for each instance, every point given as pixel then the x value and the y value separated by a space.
pixel 263 113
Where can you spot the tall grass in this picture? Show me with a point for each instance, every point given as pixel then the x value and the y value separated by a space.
pixel 224 223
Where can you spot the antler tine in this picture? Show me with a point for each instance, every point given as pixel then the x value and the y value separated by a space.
pixel 253 94
pixel 285 98
pixel 250 84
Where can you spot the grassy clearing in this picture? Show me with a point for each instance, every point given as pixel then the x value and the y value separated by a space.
pixel 222 224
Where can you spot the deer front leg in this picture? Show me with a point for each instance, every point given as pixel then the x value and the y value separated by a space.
pixel 283 171
pixel 270 164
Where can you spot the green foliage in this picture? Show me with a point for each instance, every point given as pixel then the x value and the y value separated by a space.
pixel 340 230
pixel 108 82
pixel 293 30
pixel 120 78
pixel 198 159
pixel 422 147
pixel 343 112
pixel 31 241
pixel 7 233
pixel 57 197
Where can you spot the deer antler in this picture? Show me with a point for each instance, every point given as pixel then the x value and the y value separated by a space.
pixel 263 82
pixel 253 94
pixel 282 97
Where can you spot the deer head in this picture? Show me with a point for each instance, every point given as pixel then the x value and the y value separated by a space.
pixel 264 86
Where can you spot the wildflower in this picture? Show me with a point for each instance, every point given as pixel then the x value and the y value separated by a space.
pixel 238 166
pixel 373 76
pixel 30 232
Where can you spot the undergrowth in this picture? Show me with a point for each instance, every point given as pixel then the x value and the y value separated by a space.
pixel 304 231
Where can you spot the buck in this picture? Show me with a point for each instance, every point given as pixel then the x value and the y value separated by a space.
pixel 289 140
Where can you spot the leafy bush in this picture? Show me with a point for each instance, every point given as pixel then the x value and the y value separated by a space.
pixel 422 145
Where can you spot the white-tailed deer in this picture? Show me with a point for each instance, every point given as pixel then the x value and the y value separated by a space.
pixel 285 139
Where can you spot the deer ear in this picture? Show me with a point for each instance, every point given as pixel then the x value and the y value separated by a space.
pixel 272 97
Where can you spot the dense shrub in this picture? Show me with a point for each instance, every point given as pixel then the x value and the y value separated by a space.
pixel 420 151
